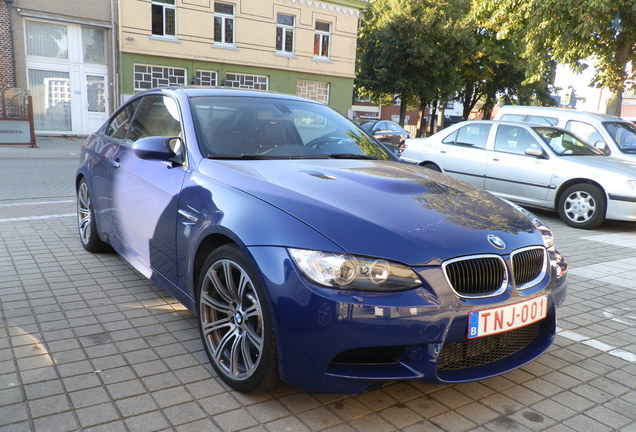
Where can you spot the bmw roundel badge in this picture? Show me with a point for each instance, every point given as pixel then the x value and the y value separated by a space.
pixel 496 241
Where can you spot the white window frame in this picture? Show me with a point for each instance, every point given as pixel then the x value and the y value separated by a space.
pixel 206 78
pixel 284 28
pixel 166 6
pixel 321 34
pixel 224 20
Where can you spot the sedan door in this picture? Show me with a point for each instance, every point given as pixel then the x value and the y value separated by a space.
pixel 145 192
pixel 514 174
pixel 463 154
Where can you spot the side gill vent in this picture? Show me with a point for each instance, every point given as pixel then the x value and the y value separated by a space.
pixel 320 175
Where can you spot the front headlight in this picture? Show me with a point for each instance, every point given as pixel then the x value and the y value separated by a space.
pixel 542 227
pixel 353 272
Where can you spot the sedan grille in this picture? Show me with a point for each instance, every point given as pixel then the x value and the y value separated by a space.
pixel 477 276
pixel 529 266
pixel 489 349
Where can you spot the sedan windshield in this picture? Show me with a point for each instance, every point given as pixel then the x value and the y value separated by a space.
pixel 624 135
pixel 272 128
pixel 563 143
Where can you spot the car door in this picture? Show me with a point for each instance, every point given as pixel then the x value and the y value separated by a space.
pixel 463 154
pixel 145 192
pixel 514 174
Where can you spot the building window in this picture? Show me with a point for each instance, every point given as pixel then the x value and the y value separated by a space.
pixel 256 82
pixel 321 39
pixel 205 78
pixel 46 40
pixel 147 77
pixel 223 23
pixel 164 18
pixel 94 45
pixel 314 90
pixel 285 33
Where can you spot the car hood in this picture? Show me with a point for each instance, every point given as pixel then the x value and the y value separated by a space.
pixel 383 209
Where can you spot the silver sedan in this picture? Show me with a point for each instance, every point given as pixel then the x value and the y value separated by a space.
pixel 537 166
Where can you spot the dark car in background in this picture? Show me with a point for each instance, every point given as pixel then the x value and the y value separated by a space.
pixel 308 252
pixel 387 132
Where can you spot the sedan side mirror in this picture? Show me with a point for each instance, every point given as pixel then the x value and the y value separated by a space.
pixel 533 151
pixel 156 147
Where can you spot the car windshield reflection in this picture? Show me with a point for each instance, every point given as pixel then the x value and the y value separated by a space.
pixel 564 143
pixel 624 135
pixel 249 129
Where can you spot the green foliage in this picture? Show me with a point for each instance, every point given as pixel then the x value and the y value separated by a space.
pixel 570 31
pixel 413 48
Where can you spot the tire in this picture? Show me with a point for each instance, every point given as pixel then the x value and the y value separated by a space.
pixel 432 167
pixel 582 206
pixel 86 224
pixel 235 322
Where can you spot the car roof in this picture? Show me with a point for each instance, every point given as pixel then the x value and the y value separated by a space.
pixel 194 91
pixel 555 111
pixel 508 123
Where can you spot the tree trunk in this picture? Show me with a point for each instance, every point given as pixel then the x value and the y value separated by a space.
pixel 421 127
pixel 614 102
pixel 431 127
pixel 403 99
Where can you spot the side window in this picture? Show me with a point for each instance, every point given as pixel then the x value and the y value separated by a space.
pixel 543 121
pixel 513 117
pixel 156 116
pixel 473 135
pixel 515 140
pixel 586 132
pixel 451 139
pixel 118 126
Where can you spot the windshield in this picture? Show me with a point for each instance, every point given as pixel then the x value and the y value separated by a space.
pixel 563 143
pixel 624 135
pixel 231 127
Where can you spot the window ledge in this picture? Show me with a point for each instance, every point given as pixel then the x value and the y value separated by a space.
pixel 322 59
pixel 285 54
pixel 225 46
pixel 164 38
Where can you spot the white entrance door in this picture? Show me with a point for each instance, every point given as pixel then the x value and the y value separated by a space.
pixel 94 101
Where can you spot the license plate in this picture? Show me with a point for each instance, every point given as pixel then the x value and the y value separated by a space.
pixel 501 319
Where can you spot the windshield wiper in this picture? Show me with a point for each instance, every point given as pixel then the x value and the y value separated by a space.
pixel 240 157
pixel 350 156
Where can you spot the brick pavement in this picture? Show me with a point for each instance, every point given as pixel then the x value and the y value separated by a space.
pixel 86 343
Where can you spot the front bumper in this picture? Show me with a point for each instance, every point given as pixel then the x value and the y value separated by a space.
pixel 339 341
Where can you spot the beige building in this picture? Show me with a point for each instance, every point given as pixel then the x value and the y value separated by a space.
pixel 81 59
pixel 303 47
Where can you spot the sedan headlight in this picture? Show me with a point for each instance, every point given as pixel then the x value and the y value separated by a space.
pixel 542 227
pixel 353 272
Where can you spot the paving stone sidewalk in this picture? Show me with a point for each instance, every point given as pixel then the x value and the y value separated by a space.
pixel 87 343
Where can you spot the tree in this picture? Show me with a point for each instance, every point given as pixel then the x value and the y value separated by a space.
pixel 496 71
pixel 571 31
pixel 412 49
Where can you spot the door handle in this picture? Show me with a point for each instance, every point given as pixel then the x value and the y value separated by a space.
pixel 115 163
pixel 495 160
pixel 443 151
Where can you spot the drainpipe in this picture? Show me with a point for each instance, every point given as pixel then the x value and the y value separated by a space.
pixel 10 13
pixel 113 40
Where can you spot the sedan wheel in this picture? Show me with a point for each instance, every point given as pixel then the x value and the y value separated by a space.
pixel 86 220
pixel 582 206
pixel 235 324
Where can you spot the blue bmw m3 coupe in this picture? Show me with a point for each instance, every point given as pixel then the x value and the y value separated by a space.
pixel 308 252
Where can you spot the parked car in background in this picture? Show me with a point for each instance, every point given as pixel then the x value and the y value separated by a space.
pixel 387 132
pixel 273 218
pixel 540 166
pixel 614 135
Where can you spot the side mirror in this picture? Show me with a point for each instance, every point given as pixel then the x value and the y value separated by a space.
pixel 600 145
pixel 156 147
pixel 533 151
